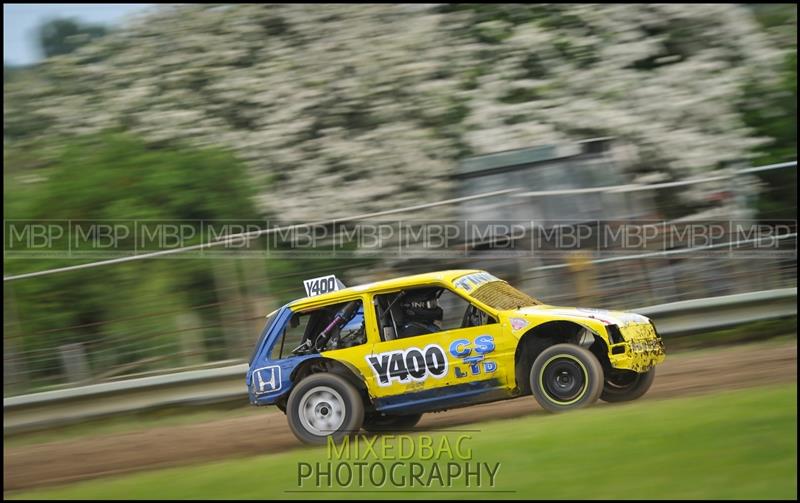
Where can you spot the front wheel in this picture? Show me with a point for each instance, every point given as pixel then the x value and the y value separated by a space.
pixel 566 377
pixel 378 423
pixel 627 385
pixel 323 405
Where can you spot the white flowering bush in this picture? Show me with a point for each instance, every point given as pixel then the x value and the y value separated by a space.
pixel 346 109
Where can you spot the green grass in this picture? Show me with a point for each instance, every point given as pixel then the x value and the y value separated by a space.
pixel 733 445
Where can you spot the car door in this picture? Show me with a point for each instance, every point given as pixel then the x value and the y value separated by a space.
pixel 449 359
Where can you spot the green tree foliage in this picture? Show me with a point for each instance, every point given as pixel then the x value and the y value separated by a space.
pixel 126 312
pixel 139 181
pixel 770 108
pixel 131 316
pixel 63 36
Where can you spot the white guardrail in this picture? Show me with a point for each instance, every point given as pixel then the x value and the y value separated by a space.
pixel 198 387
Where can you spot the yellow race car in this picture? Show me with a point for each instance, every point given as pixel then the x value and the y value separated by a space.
pixel 378 356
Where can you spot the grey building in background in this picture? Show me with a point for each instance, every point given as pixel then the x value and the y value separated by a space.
pixel 584 165
pixel 579 187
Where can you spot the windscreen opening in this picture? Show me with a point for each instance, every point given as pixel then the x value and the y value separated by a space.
pixel 501 295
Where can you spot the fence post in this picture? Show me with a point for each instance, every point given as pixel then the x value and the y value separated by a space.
pixel 15 376
pixel 230 309
pixel 73 358
pixel 191 340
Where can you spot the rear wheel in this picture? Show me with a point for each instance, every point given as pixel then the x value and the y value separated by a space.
pixel 566 377
pixel 324 405
pixel 378 423
pixel 627 385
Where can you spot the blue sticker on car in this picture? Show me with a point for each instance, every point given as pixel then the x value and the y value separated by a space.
pixel 477 363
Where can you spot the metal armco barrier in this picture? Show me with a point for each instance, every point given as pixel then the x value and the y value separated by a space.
pixel 53 408
pixel 719 312
pixel 197 387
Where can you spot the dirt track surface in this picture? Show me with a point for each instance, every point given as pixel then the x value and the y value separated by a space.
pixel 90 457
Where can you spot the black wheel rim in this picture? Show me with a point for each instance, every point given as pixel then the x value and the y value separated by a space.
pixel 564 379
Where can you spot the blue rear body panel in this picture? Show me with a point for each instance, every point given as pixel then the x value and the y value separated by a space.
pixel 267 379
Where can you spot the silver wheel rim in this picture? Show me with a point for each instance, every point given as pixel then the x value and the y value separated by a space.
pixel 321 411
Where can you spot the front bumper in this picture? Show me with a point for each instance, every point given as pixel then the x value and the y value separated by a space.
pixel 641 350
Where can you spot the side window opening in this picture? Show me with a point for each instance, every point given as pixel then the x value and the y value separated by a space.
pixel 427 310
pixel 270 320
pixel 327 328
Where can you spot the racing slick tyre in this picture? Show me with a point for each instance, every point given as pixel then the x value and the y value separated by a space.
pixel 378 423
pixel 626 385
pixel 323 405
pixel 566 377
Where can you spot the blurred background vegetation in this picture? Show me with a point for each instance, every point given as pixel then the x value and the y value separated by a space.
pixel 771 110
pixel 301 112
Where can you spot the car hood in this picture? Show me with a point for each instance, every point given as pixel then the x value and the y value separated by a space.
pixel 619 318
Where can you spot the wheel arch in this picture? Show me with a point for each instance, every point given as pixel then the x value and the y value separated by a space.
pixel 546 334
pixel 322 364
